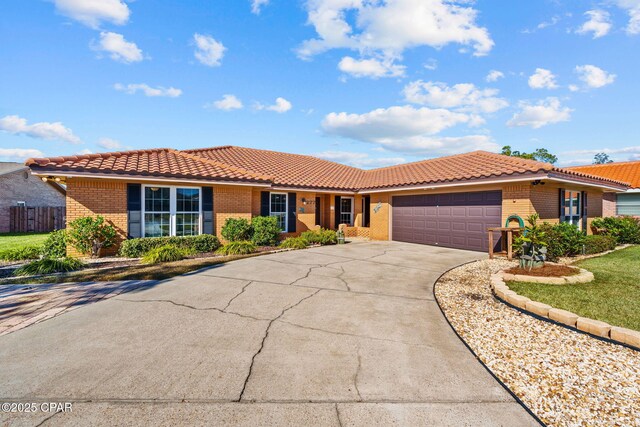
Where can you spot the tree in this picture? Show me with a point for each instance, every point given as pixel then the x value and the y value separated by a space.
pixel 540 154
pixel 89 235
pixel 601 159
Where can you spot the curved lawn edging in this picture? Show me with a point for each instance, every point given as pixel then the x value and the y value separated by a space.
pixel 595 328
pixel 564 377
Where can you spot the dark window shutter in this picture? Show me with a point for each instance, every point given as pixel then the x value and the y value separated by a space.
pixel 561 203
pixel 584 210
pixel 291 217
pixel 134 210
pixel 337 211
pixel 207 210
pixel 264 203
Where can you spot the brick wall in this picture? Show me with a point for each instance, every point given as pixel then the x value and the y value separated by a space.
pixel 609 204
pixel 231 202
pixel 21 186
pixel 516 200
pixel 89 197
pixel 379 229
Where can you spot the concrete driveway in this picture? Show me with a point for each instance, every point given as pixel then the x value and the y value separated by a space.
pixel 342 335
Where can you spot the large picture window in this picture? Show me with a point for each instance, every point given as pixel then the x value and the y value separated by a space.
pixel 171 211
pixel 346 210
pixel 572 208
pixel 278 208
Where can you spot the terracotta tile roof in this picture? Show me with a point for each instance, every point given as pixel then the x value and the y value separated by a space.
pixel 161 162
pixel 291 170
pixel 620 171
pixel 229 163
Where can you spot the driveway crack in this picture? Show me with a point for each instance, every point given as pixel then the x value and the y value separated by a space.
pixel 237 295
pixel 338 415
pixel 355 377
pixel 193 308
pixel 264 339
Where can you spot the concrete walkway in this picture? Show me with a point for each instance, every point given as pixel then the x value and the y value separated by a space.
pixel 343 335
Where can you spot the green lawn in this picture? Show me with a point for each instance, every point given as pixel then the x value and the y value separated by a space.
pixel 20 240
pixel 613 297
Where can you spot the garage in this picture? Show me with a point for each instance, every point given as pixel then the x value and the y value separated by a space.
pixel 452 220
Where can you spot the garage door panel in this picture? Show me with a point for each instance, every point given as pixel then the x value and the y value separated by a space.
pixel 456 220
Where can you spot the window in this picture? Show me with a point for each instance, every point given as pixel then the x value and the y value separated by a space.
pixel 22 204
pixel 278 208
pixel 171 211
pixel 571 208
pixel 346 210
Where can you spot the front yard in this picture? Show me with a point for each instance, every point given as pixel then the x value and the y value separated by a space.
pixel 11 241
pixel 613 297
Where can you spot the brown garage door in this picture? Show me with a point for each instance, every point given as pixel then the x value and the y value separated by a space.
pixel 453 220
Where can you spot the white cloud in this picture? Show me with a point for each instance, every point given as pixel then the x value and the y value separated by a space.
pixel 118 48
pixel 441 145
pixel 574 88
pixel 359 160
pixel 109 144
pixel 542 113
pixel 93 12
pixel 83 152
pixel 228 102
pixel 599 23
pixel 593 76
pixel 18 154
pixel 542 79
pixel 617 154
pixel 494 75
pixel 16 125
pixel 388 28
pixel 373 68
pixel 208 51
pixel 632 7
pixel 391 123
pixel 281 106
pixel 131 89
pixel 431 64
pixel 462 97
pixel 256 6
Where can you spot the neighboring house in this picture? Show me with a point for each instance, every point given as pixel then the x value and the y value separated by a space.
pixel 626 203
pixel 18 187
pixel 448 201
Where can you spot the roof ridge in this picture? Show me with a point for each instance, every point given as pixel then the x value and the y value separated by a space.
pixel 224 165
pixel 626 162
pixel 90 156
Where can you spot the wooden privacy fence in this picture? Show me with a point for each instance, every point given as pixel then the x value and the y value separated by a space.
pixel 25 219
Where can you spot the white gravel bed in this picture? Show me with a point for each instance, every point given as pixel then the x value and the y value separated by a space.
pixel 566 378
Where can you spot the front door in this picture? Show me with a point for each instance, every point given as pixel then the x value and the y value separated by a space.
pixel 318 211
pixel 366 207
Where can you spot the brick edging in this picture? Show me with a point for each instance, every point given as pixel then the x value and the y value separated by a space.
pixel 596 328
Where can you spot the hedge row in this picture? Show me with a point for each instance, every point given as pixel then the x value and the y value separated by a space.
pixel 136 248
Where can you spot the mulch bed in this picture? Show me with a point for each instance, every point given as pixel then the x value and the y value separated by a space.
pixel 548 270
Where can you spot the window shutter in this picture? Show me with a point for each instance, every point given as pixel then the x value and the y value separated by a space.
pixel 134 211
pixel 584 210
pixel 337 212
pixel 207 210
pixel 291 210
pixel 561 203
pixel 264 203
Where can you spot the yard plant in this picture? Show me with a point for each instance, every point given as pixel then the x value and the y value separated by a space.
pixel 238 248
pixel 265 230
pixel 56 245
pixel 294 243
pixel 166 253
pixel 136 248
pixel 48 266
pixel 88 235
pixel 625 229
pixel 20 254
pixel 320 237
pixel 236 229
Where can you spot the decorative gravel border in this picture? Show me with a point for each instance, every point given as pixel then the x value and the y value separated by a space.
pixel 563 376
pixel 571 320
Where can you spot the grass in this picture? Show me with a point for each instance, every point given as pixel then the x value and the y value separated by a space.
pixel 137 272
pixel 10 241
pixel 613 297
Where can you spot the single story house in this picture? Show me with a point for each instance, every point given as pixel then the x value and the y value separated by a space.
pixel 18 187
pixel 447 201
pixel 623 203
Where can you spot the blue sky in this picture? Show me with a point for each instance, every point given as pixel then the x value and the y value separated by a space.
pixel 364 82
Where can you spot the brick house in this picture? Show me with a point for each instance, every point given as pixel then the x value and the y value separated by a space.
pixel 448 201
pixel 19 187
pixel 621 203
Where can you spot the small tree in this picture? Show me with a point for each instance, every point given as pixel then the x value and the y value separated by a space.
pixel 534 246
pixel 89 235
pixel 601 159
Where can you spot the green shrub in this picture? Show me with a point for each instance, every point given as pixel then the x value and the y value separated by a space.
pixel 238 248
pixel 19 254
pixel 625 229
pixel 599 243
pixel 321 237
pixel 136 248
pixel 236 229
pixel 265 230
pixel 294 243
pixel 48 266
pixel 56 245
pixel 166 253
pixel 563 239
pixel 89 235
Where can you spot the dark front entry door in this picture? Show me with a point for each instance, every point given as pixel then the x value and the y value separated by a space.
pixel 318 211
pixel 453 220
pixel 366 208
